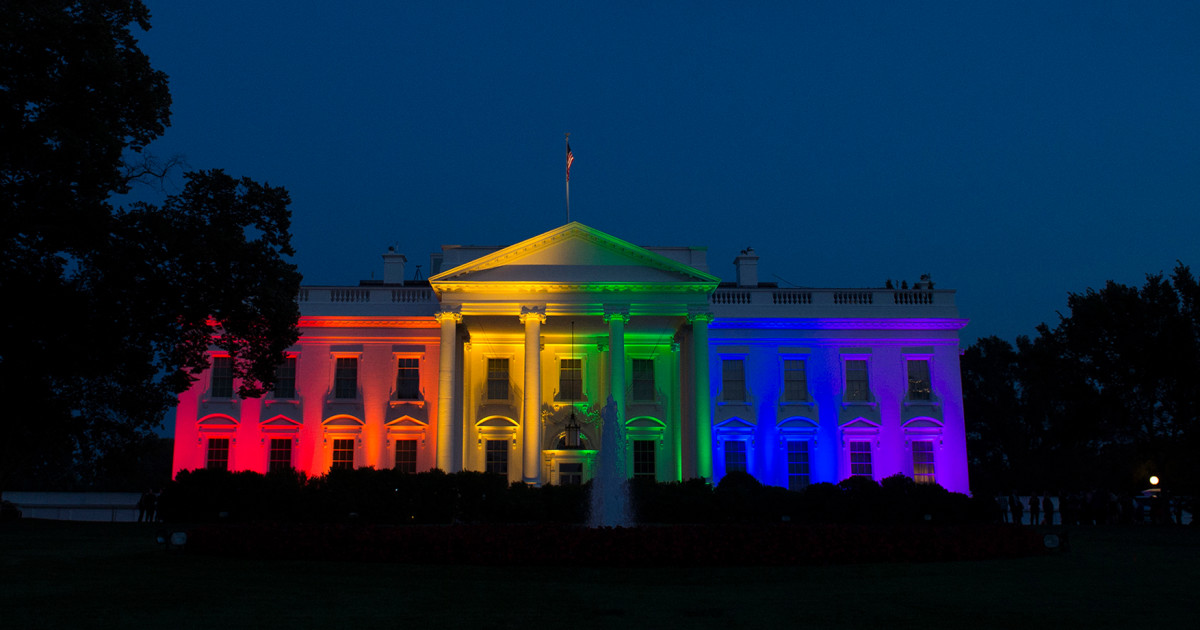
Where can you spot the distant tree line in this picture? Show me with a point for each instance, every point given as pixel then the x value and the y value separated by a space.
pixel 1105 399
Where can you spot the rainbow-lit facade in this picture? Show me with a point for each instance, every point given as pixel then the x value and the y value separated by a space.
pixel 483 367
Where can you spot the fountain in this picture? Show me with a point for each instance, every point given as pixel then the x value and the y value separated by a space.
pixel 610 491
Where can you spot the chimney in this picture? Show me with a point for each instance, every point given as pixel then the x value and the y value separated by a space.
pixel 747 268
pixel 393 267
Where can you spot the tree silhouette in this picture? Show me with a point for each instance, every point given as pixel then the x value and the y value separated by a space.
pixel 110 312
pixel 1105 398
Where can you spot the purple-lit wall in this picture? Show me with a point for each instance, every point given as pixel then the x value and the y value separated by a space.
pixel 889 419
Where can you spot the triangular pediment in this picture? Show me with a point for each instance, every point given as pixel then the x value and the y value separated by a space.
pixel 406 422
pixel 861 424
pixel 280 422
pixel 734 424
pixel 574 257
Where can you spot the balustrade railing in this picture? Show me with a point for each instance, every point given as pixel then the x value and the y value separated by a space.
pixel 853 297
pixel 365 295
pixel 913 297
pixel 412 296
pixel 725 296
pixel 874 298
pixel 766 296
pixel 791 296
pixel 350 295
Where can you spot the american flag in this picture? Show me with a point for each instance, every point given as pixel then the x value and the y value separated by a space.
pixel 570 159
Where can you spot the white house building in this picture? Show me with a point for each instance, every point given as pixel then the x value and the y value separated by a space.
pixel 492 363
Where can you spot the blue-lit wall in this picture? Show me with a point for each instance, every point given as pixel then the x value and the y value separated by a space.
pixel 889 420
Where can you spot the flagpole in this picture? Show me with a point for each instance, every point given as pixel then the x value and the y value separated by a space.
pixel 567 141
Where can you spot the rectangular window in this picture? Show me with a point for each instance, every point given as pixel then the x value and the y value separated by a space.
pixel 797 463
pixel 643 459
pixel 222 377
pixel 733 380
pixel 795 380
pixel 857 387
pixel 570 379
pixel 570 474
pixel 408 379
pixel 345 378
pixel 496 457
pixel 735 456
pixel 923 462
pixel 919 387
pixel 281 455
pixel 406 456
pixel 218 454
pixel 860 459
pixel 285 379
pixel 643 380
pixel 497 379
pixel 343 455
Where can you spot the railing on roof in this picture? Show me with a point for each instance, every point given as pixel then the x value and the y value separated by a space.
pixel 783 299
pixel 871 298
pixel 366 295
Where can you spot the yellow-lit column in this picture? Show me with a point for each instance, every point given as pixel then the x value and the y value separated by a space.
pixel 533 318
pixel 446 448
pixel 617 318
pixel 702 403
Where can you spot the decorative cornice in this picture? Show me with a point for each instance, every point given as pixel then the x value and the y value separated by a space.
pixel 591 287
pixel 318 321
pixel 612 312
pixel 696 315
pixel 454 315
pixel 835 323
pixel 532 313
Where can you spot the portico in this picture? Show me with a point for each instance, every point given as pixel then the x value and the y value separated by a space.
pixel 602 304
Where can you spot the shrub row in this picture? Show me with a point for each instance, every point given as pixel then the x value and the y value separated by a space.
pixel 666 545
pixel 390 497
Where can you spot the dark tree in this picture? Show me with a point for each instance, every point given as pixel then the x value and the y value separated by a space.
pixel 109 312
pixel 995 423
pixel 77 96
pixel 1107 397
pixel 1138 351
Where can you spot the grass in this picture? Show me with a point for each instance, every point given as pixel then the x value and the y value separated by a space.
pixel 60 574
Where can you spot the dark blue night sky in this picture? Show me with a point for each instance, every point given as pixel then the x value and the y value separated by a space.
pixel 1014 151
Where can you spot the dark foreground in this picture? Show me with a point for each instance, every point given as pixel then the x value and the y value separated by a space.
pixel 56 574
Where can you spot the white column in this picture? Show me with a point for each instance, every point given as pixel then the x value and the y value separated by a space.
pixel 533 318
pixel 702 403
pixel 674 405
pixel 616 319
pixel 447 352
pixel 602 372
